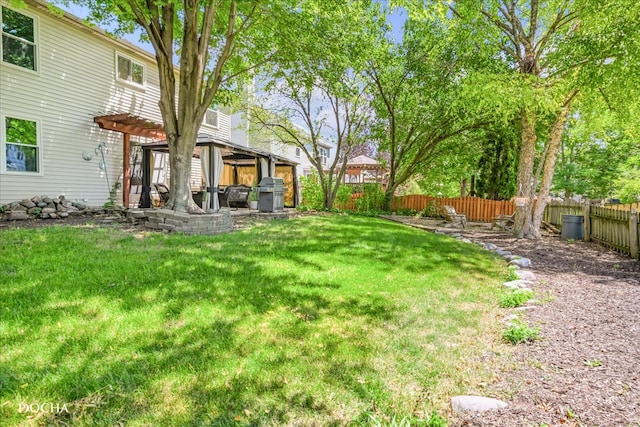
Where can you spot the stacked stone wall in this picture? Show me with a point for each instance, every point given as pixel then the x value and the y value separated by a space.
pixel 181 222
pixel 45 207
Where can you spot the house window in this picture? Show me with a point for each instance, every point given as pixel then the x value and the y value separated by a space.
pixel 129 70
pixel 297 151
pixel 18 39
pixel 324 155
pixel 211 118
pixel 21 145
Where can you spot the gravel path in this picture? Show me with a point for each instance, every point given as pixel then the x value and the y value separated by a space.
pixel 586 369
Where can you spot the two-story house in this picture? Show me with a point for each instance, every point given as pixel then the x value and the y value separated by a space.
pixel 75 106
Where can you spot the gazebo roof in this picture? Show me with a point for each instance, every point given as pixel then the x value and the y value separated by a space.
pixel 231 151
pixel 364 162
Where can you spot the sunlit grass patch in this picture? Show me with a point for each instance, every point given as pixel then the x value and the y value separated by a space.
pixel 307 321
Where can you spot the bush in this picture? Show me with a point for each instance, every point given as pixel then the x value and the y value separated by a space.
pixel 372 199
pixel 431 210
pixel 313 196
pixel 516 298
pixel 520 333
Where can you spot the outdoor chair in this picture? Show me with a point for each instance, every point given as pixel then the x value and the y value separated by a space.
pixel 504 222
pixel 236 195
pixel 163 192
pixel 450 215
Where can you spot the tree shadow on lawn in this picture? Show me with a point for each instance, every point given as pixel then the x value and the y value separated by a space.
pixel 138 341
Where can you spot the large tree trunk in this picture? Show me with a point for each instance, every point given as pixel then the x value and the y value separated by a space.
pixel 550 161
pixel 180 155
pixel 526 183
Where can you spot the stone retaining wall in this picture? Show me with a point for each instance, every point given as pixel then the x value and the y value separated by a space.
pixel 45 207
pixel 181 222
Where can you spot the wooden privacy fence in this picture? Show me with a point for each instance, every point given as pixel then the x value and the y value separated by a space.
pixel 609 226
pixel 615 228
pixel 554 211
pixel 475 208
pixel 625 207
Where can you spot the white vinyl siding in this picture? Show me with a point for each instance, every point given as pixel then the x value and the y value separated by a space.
pixel 76 81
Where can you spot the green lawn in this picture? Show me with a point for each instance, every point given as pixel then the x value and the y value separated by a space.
pixel 335 320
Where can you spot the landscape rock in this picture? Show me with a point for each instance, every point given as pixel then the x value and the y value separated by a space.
pixel 525 308
pixel 27 203
pixel 525 275
pixel 491 246
pixel 502 252
pixel 462 404
pixel 517 284
pixel 521 262
pixel 18 215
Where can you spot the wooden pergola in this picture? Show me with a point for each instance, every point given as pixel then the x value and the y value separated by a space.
pixel 129 124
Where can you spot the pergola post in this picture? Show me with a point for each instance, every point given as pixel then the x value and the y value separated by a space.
pixel 126 168
pixel 213 190
pixel 145 197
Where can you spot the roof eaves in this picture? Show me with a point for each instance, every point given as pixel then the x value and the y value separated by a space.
pixel 95 31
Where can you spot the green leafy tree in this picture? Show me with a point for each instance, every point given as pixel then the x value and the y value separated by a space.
pixel 320 96
pixel 497 167
pixel 216 43
pixel 419 116
pixel 557 52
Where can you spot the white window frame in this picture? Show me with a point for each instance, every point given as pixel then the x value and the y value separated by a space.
pixel 4 142
pixel 129 81
pixel 204 119
pixel 324 154
pixel 298 152
pixel 35 43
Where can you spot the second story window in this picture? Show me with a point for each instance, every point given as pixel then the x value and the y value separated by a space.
pixel 18 39
pixel 324 155
pixel 129 70
pixel 211 118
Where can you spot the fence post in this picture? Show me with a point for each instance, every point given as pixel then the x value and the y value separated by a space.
pixel 587 222
pixel 633 233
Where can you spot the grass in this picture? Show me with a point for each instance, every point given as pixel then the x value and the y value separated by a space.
pixel 515 298
pixel 314 321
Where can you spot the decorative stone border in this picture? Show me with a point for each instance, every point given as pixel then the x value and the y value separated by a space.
pixel 182 222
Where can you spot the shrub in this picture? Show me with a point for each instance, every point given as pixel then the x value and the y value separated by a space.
pixel 511 273
pixel 406 212
pixel 313 197
pixel 430 210
pixel 372 198
pixel 520 333
pixel 516 298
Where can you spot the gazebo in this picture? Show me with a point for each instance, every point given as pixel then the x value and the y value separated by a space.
pixel 363 169
pixel 214 153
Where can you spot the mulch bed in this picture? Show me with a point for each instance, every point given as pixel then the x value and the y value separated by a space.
pixel 586 369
